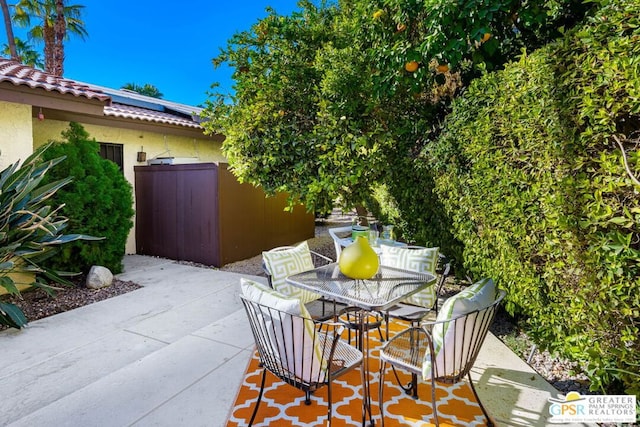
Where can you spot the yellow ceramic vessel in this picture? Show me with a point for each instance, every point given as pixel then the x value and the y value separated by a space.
pixel 358 260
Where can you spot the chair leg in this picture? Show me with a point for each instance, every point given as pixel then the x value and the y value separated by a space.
pixel 307 398
pixel 381 392
pixel 255 410
pixel 475 393
pixel 386 322
pixel 433 400
pixel 411 388
pixel 330 399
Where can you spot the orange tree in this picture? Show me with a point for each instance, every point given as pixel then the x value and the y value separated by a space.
pixel 339 98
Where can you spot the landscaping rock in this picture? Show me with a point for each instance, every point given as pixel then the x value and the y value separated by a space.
pixel 99 277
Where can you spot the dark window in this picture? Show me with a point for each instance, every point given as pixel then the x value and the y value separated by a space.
pixel 113 152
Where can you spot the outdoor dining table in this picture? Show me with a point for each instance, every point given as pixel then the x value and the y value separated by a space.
pixel 388 287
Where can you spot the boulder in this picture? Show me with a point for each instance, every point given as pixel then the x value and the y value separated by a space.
pixel 99 277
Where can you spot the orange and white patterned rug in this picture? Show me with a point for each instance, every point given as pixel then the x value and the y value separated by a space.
pixel 283 405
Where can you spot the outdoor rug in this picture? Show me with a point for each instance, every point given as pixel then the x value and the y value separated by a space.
pixel 283 405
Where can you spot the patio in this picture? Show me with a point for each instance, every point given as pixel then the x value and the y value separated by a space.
pixel 174 353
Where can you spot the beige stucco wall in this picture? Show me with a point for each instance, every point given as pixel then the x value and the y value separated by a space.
pixel 154 144
pixel 16 140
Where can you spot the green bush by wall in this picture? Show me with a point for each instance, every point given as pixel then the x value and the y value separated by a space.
pixel 529 172
pixel 98 202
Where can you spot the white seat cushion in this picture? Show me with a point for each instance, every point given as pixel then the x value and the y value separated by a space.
pixel 422 260
pixel 284 263
pixel 445 337
pixel 307 362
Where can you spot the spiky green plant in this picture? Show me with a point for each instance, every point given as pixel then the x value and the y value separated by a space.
pixel 30 229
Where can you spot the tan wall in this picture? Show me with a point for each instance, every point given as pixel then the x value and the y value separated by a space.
pixel 21 280
pixel 16 140
pixel 154 144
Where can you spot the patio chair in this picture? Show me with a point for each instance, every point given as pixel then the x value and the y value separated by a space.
pixel 341 237
pixel 423 260
pixel 284 261
pixel 303 353
pixel 445 350
pixel 414 309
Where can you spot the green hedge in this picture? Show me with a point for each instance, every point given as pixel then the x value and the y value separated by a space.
pixel 98 202
pixel 529 173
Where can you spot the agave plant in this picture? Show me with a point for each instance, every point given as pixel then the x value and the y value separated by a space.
pixel 30 229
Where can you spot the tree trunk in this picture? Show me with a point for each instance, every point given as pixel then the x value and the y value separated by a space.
pixel 59 32
pixel 48 37
pixel 362 213
pixel 11 41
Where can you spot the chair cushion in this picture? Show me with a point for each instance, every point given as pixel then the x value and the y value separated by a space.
pixel 446 337
pixel 308 363
pixel 422 260
pixel 284 263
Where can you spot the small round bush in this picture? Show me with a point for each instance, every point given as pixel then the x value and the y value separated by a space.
pixel 98 202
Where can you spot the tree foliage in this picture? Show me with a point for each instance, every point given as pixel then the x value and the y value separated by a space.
pixel 56 21
pixel 530 172
pixel 146 89
pixel 26 53
pixel 325 109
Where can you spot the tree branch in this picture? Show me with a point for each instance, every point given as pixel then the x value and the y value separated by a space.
pixel 626 164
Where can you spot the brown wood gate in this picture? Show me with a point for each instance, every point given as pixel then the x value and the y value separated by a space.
pixel 201 213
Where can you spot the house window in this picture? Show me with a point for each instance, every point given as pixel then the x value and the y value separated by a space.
pixel 113 152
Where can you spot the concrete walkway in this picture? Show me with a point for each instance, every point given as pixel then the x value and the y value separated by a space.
pixel 173 353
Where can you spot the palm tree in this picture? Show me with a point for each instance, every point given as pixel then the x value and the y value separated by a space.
pixel 9 29
pixel 25 53
pixel 57 21
pixel 146 89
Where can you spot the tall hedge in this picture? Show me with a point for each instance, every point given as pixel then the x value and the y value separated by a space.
pixel 535 183
pixel 98 202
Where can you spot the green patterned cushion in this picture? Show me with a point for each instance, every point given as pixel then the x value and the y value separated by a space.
pixel 308 361
pixel 477 296
pixel 284 263
pixel 422 260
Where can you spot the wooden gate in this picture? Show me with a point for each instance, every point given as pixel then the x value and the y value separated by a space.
pixel 201 213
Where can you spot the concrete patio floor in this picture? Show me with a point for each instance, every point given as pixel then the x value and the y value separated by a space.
pixel 173 353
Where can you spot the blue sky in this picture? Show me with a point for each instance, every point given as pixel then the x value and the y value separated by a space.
pixel 169 45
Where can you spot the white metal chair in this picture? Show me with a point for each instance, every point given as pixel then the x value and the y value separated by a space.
pixel 284 261
pixel 341 237
pixel 445 350
pixel 305 354
pixel 414 310
pixel 423 303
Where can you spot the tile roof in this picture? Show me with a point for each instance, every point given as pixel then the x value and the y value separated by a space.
pixel 118 103
pixel 132 112
pixel 22 75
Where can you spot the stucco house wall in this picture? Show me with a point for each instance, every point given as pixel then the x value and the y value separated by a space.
pixel 36 107
pixel 133 141
pixel 16 140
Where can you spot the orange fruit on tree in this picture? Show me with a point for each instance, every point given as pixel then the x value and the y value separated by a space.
pixel 442 68
pixel 485 37
pixel 411 66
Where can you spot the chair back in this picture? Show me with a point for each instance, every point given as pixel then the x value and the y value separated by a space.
pixel 284 261
pixel 414 258
pixel 289 346
pixel 338 240
pixel 456 342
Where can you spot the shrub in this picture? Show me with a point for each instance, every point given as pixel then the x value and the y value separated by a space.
pixel 536 187
pixel 30 229
pixel 98 202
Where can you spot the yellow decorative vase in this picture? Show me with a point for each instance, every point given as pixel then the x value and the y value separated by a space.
pixel 358 260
